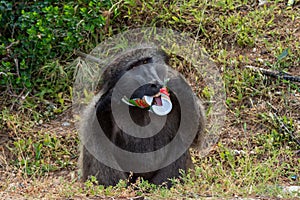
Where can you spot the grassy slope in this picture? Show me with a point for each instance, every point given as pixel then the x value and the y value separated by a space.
pixel 254 156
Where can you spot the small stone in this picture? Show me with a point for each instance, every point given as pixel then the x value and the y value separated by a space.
pixel 262 2
pixel 65 124
pixel 292 189
pixel 239 152
pixel 260 60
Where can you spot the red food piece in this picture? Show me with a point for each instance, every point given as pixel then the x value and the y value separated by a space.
pixel 164 90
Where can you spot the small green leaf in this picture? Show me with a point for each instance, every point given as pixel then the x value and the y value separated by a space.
pixel 283 54
pixel 175 18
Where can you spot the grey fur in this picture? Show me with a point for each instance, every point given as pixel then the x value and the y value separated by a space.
pixel 105 175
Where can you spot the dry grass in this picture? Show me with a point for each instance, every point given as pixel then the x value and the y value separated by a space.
pixel 255 156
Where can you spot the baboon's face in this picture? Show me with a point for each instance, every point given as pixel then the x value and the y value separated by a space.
pixel 142 80
pixel 139 81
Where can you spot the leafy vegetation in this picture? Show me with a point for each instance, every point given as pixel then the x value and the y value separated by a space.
pixel 256 156
pixel 39 37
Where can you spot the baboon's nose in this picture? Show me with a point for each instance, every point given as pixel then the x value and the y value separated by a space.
pixel 153 89
pixel 155 86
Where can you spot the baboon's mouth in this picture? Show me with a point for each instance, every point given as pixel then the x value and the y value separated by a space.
pixel 157 100
pixel 160 103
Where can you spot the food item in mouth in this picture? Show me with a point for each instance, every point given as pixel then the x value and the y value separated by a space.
pixel 159 104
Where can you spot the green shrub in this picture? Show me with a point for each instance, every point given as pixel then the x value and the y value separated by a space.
pixel 35 33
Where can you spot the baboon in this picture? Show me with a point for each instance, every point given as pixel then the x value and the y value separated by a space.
pixel 132 60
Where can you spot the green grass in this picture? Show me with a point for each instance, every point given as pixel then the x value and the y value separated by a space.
pixel 255 156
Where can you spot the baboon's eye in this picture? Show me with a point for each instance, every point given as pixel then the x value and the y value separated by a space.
pixel 139 62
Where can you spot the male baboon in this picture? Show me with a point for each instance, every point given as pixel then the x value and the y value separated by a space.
pixel 125 62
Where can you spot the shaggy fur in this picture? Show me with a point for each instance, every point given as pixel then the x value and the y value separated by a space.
pixel 107 176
